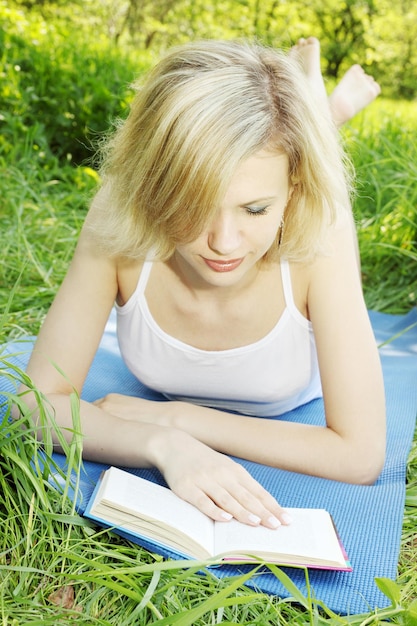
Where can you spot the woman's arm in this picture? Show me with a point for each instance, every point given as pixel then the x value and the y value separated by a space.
pixel 351 447
pixel 64 351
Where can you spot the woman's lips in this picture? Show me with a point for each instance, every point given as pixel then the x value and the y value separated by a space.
pixel 223 266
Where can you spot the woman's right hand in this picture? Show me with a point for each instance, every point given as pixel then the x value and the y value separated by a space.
pixel 215 484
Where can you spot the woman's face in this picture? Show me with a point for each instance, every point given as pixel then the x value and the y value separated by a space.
pixel 245 226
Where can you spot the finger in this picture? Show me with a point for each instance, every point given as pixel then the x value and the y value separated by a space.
pixel 221 504
pixel 249 509
pixel 257 505
pixel 198 498
pixel 267 508
pixel 254 507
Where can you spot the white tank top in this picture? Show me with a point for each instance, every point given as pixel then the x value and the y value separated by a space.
pixel 264 379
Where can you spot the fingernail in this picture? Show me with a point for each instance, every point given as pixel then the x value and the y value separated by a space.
pixel 254 519
pixel 274 522
pixel 226 516
pixel 286 518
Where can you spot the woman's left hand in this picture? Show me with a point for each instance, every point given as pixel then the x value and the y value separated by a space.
pixel 134 409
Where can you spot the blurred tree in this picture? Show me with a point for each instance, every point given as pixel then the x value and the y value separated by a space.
pixel 394 53
pixel 342 26
pixel 144 19
pixel 379 34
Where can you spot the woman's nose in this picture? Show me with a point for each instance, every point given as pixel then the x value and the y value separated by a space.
pixel 224 236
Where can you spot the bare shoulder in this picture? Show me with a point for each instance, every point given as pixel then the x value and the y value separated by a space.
pixel 90 259
pixel 335 295
pixel 337 261
pixel 128 273
pixel 76 319
pixel 339 257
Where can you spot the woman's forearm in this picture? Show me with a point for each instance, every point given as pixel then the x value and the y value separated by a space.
pixel 355 455
pixel 106 438
pixel 133 432
pixel 315 450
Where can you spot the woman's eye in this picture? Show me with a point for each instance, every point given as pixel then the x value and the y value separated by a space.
pixel 256 210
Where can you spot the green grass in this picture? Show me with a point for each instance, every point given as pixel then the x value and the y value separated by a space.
pixel 385 157
pixel 44 546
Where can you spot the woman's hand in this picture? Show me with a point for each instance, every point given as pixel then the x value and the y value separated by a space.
pixel 134 409
pixel 215 484
pixel 211 481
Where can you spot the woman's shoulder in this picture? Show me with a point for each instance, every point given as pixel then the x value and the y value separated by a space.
pixel 128 274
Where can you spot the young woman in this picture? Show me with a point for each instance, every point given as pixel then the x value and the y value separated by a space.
pixel 223 232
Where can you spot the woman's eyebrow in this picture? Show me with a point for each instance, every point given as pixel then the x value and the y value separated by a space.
pixel 258 200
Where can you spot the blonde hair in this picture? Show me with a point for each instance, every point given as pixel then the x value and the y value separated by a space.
pixel 203 109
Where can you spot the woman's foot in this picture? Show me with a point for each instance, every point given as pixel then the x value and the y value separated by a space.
pixel 307 53
pixel 353 93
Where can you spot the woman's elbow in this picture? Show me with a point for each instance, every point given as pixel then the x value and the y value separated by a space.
pixel 366 466
pixel 23 404
pixel 33 407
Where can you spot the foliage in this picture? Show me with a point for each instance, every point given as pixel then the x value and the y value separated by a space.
pixel 380 34
pixel 59 85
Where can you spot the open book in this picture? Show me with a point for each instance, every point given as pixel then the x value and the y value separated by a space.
pixel 147 511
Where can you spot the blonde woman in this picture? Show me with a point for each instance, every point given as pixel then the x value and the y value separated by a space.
pixel 223 233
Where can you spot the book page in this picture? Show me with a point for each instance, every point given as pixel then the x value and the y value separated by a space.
pixel 127 492
pixel 310 536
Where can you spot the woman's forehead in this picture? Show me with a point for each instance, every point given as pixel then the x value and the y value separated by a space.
pixel 259 177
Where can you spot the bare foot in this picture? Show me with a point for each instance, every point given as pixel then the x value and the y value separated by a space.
pixel 353 93
pixel 307 53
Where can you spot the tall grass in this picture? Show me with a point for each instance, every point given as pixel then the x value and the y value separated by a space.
pixel 55 568
pixel 384 150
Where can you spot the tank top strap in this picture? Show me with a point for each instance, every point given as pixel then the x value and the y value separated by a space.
pixel 144 277
pixel 286 284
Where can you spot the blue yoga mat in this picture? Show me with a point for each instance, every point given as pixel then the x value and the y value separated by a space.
pixel 369 518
